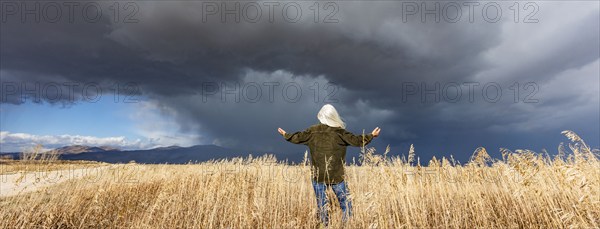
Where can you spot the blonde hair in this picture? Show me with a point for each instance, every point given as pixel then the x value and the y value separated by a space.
pixel 328 115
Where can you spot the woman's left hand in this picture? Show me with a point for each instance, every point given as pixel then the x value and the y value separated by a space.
pixel 376 131
pixel 281 131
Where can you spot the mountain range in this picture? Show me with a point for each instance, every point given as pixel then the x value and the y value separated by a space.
pixel 77 149
pixel 160 155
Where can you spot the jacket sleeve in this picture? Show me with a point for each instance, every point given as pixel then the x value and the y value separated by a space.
pixel 300 137
pixel 356 140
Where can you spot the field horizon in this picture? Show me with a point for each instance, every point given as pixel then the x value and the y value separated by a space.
pixel 523 190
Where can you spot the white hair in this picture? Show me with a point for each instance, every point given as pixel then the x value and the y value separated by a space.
pixel 328 115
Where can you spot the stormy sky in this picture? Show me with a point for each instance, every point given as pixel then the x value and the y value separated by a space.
pixel 445 76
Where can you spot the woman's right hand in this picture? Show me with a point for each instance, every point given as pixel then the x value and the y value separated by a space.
pixel 281 131
pixel 375 132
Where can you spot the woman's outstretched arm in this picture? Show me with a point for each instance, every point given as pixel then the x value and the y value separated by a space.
pixel 300 137
pixel 358 140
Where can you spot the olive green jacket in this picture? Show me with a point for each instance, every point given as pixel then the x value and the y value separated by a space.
pixel 327 149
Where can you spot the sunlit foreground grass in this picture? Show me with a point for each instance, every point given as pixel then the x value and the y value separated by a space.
pixel 9 167
pixel 524 190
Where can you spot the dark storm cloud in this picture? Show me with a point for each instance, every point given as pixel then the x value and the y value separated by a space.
pixel 371 53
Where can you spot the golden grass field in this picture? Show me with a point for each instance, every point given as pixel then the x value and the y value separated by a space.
pixel 523 190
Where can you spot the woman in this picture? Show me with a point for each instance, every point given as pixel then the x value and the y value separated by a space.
pixel 327 142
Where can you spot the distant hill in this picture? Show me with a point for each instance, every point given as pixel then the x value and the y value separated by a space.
pixel 77 149
pixel 167 148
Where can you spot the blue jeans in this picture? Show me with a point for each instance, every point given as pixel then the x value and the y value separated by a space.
pixel 341 191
